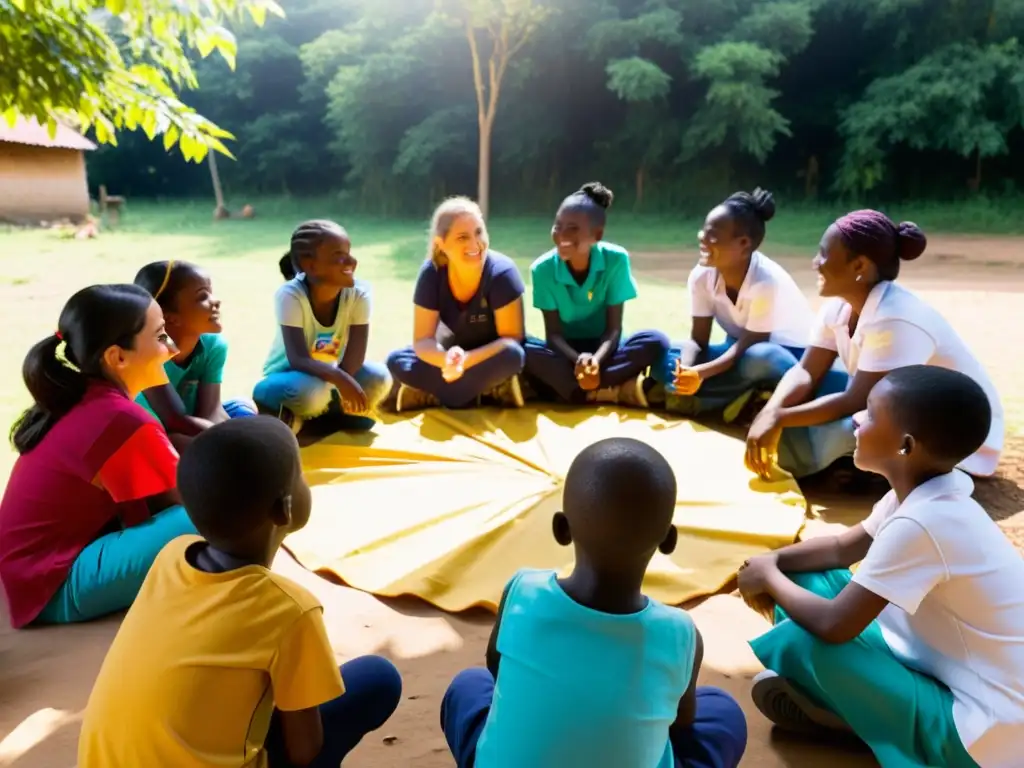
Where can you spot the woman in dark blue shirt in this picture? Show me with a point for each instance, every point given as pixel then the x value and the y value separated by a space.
pixel 468 325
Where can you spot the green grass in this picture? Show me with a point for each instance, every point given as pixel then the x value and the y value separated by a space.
pixel 39 269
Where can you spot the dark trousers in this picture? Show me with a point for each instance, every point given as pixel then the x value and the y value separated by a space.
pixel 373 689
pixel 717 738
pixel 553 375
pixel 407 368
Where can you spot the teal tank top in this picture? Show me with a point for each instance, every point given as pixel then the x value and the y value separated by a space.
pixel 577 687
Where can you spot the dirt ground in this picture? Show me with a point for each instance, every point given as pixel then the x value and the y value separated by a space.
pixel 45 675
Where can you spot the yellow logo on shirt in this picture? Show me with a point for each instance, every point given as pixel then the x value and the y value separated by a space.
pixel 326 349
pixel 878 340
pixel 760 306
pixel 590 296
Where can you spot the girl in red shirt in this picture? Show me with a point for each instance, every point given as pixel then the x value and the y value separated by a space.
pixel 92 498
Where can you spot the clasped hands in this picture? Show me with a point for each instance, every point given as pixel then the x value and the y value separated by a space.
pixel 588 372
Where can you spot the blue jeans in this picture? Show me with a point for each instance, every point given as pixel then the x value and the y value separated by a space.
pixel 717 738
pixel 108 574
pixel 239 408
pixel 762 366
pixel 308 397
pixel 373 689
pixel 803 451
pixel 407 368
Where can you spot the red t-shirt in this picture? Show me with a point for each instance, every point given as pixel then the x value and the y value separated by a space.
pixel 90 474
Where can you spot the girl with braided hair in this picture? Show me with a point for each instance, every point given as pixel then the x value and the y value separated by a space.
pixel 765 316
pixel 873 326
pixel 317 361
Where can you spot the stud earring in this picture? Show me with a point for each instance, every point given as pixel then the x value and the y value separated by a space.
pixel 904 452
pixel 858 278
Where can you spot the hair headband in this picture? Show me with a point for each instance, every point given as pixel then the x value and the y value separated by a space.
pixel 167 279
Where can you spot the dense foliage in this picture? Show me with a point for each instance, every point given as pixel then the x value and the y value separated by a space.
pixel 115 65
pixel 668 101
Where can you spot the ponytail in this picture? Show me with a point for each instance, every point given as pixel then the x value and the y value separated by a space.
pixel 58 369
pixel 287 266
pixel 56 387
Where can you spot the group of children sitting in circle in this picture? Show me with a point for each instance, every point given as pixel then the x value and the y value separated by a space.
pixel 220 661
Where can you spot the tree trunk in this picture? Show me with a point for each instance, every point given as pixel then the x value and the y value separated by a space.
pixel 218 192
pixel 975 183
pixel 483 180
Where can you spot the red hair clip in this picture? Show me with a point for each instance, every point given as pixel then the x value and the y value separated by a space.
pixel 59 336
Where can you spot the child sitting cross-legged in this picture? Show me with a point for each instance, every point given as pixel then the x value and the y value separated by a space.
pixel 221 661
pixel 921 651
pixel 585 670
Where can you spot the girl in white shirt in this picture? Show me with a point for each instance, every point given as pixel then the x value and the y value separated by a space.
pixel 921 651
pixel 765 316
pixel 873 326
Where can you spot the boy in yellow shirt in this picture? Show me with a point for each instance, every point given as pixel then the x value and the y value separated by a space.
pixel 221 662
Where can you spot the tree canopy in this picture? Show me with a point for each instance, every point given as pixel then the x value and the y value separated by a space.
pixel 116 65
pixel 665 100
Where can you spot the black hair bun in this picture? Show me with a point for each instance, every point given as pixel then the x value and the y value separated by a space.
pixel 287 266
pixel 598 193
pixel 763 203
pixel 910 241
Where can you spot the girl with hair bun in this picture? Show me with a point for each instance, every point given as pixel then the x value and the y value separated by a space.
pixel 581 285
pixel 872 325
pixel 765 316
pixel 93 495
pixel 467 321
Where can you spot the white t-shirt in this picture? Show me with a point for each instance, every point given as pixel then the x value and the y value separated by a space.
pixel 768 301
pixel 956 608
pixel 325 342
pixel 897 329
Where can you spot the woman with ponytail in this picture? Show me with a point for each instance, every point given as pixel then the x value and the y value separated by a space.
pixel 872 325
pixel 92 498
pixel 467 319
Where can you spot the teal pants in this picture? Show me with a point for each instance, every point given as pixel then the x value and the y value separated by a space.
pixel 107 575
pixel 906 717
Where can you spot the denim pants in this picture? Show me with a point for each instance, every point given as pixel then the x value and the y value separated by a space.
pixel 408 369
pixel 373 689
pixel 108 574
pixel 553 375
pixel 717 738
pixel 308 397
pixel 804 451
pixel 239 408
pixel 905 716
pixel 762 366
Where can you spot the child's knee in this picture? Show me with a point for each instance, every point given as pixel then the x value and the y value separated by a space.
pixel 399 361
pixel 765 362
pixel 375 379
pixel 654 342
pixel 512 356
pixel 378 683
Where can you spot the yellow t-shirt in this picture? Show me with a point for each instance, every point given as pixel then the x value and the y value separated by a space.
pixel 199 664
